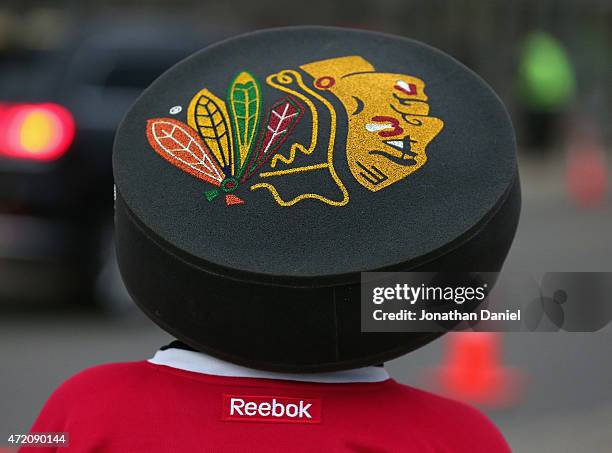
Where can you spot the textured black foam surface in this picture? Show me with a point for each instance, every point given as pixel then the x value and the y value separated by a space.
pixel 275 286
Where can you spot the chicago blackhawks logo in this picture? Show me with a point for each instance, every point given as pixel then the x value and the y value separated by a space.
pixel 233 145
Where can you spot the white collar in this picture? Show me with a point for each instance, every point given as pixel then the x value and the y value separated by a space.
pixel 199 362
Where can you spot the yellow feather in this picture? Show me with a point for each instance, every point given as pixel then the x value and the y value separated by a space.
pixel 207 114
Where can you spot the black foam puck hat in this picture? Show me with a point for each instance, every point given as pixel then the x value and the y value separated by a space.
pixel 256 179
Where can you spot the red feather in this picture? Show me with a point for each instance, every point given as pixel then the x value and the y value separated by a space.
pixel 180 145
pixel 281 120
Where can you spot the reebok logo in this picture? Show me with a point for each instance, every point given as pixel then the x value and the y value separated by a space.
pixel 271 409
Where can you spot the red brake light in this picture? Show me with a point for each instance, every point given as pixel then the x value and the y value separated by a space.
pixel 35 131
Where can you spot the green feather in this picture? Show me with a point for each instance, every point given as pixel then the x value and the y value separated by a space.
pixel 212 194
pixel 244 101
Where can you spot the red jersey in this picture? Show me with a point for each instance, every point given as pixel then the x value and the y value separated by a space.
pixel 169 404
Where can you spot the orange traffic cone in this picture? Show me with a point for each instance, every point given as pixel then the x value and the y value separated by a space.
pixel 586 171
pixel 472 370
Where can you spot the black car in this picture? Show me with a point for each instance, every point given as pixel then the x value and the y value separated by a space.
pixel 58 113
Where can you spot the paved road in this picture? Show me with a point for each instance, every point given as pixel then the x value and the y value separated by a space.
pixel 567 395
pixel 566 403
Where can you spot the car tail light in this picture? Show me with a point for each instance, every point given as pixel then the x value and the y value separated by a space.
pixel 35 131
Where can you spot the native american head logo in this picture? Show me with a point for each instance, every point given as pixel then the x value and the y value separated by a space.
pixel 235 147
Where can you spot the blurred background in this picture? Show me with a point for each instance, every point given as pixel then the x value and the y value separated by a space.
pixel 68 72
